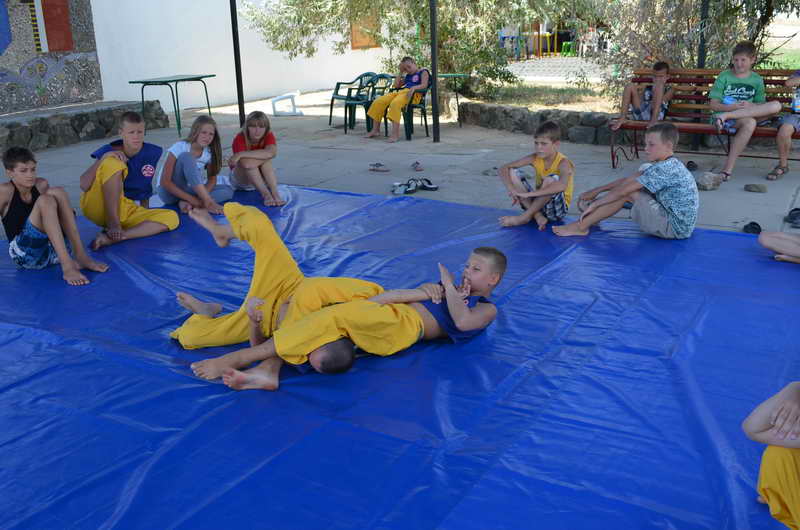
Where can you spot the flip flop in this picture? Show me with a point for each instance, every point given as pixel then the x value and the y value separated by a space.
pixel 691 165
pixel 416 166
pixel 425 183
pixel 752 228
pixel 379 168
pixel 777 172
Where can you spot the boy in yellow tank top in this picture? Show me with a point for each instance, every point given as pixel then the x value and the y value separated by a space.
pixel 549 199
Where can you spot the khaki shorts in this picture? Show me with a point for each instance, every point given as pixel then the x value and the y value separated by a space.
pixel 651 217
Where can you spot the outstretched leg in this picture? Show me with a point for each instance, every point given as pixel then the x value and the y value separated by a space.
pixel 222 234
pixel 785 246
pixel 582 225
pixel 263 376
pixel 196 306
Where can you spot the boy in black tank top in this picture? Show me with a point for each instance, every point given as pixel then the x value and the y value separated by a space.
pixel 37 218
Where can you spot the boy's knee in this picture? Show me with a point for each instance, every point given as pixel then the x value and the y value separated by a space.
pixel 786 131
pixel 46 201
pixel 57 192
pixel 746 123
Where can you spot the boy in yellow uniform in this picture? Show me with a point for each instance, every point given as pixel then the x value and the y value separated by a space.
pixel 104 203
pixel 411 79
pixel 776 422
pixel 549 199
pixel 382 325
pixel 283 293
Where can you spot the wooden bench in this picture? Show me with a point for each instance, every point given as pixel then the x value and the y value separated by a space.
pixel 689 110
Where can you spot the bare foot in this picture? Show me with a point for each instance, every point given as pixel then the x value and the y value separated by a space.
pixel 184 206
pixel 279 201
pixel 100 241
pixel 616 123
pixel 269 201
pixel 761 499
pixel 213 368
pixel 85 262
pixel 572 229
pixel 541 220
pixel 512 220
pixel 198 307
pixel 215 208
pixel 373 133
pixel 72 275
pixel 265 376
pixel 787 258
pixel 204 219
pixel 393 140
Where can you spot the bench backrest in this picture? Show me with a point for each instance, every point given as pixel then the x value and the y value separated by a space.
pixel 691 88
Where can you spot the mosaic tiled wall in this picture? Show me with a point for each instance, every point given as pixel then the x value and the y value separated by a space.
pixel 48 54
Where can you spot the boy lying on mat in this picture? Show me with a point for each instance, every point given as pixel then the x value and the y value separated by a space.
pixel 382 325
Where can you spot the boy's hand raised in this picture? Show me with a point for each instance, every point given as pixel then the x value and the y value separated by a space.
pixel 446 277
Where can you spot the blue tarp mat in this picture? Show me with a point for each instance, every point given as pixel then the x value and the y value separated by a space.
pixel 607 395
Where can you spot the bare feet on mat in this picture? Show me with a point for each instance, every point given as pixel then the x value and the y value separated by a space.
pixel 204 219
pixel 572 229
pixel 260 377
pixel 100 241
pixel 541 220
pixel 279 201
pixel 787 258
pixel 198 307
pixel 761 499
pixel 213 368
pixel 184 206
pixel 72 275
pixel 85 262
pixel 512 220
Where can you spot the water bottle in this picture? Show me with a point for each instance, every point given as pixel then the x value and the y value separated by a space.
pixel 796 101
pixel 728 100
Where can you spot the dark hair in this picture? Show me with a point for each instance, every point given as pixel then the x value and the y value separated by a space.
pixel 130 117
pixel 17 155
pixel 408 59
pixel 744 47
pixel 661 65
pixel 336 357
pixel 497 259
pixel 666 131
pixel 550 130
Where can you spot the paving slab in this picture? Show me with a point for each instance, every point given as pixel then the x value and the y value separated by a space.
pixel 312 153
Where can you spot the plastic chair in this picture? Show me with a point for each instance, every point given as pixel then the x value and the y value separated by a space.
pixel 408 113
pixel 357 84
pixel 380 85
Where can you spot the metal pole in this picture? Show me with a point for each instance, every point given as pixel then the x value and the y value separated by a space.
pixel 701 56
pixel 434 74
pixel 237 62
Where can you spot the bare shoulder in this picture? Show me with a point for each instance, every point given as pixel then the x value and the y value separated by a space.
pixel 566 165
pixel 6 190
pixel 487 308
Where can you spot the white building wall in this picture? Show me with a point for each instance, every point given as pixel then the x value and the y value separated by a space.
pixel 155 38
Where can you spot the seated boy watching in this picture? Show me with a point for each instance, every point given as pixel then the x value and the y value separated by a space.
pixel 646 103
pixel 383 325
pixel 548 199
pixel 104 203
pixel 142 163
pixel 664 193
pixel 37 218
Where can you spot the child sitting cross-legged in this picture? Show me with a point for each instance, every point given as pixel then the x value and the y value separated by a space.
pixel 549 197
pixel 40 222
pixel 663 193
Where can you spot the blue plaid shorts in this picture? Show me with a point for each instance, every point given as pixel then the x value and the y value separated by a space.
pixel 556 208
pixel 31 249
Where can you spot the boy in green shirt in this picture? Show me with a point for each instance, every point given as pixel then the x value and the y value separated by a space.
pixel 739 99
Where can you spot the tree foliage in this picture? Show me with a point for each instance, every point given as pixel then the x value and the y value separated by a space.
pixel 468 30
pixel 643 31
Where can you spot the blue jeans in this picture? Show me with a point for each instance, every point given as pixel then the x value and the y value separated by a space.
pixel 187 176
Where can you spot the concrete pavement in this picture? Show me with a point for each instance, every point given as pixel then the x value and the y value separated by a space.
pixel 310 153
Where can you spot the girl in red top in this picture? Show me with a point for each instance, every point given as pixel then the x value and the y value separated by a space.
pixel 251 164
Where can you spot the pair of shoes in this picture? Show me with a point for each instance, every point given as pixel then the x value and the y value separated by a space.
pixel 377 166
pixel 691 165
pixel 424 183
pixel 793 217
pixel 407 188
pixel 777 172
pixel 416 166
pixel 752 228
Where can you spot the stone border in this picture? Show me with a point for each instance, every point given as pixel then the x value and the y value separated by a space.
pixel 577 127
pixel 70 127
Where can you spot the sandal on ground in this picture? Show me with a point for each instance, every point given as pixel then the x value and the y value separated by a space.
pixel 720 125
pixel 399 188
pixel 777 172
pixel 691 165
pixel 793 216
pixel 379 167
pixel 416 166
pixel 752 228
pixel 425 183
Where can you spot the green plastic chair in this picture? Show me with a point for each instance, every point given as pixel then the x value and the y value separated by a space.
pixel 408 112
pixel 381 84
pixel 354 89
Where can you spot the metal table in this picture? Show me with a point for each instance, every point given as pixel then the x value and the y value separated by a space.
pixel 165 81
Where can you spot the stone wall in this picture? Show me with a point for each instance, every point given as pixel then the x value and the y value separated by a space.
pixel 69 127
pixel 30 78
pixel 578 127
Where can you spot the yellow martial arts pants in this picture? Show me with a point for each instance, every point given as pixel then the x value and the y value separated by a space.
pixel 276 279
pixel 130 214
pixel 779 484
pixel 375 328
pixel 395 101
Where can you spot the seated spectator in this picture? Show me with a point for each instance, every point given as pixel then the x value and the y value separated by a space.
pixel 787 126
pixel 646 103
pixel 411 79
pixel 251 164
pixel 189 175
